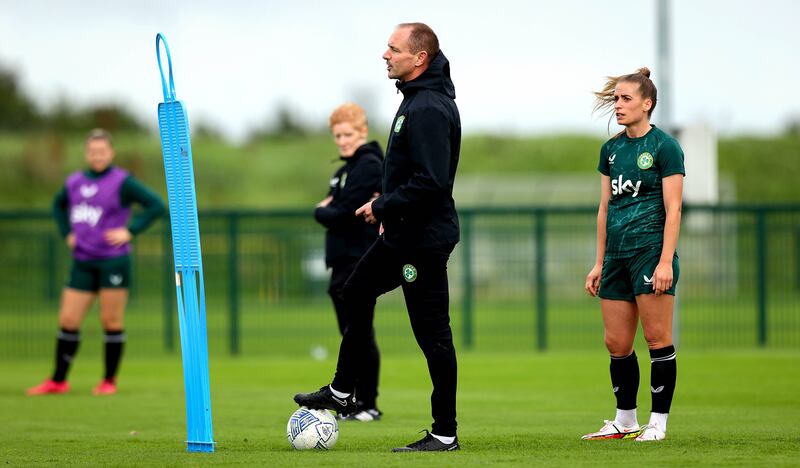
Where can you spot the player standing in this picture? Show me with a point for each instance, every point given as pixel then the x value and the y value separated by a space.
pixel 636 269
pixel 348 237
pixel 92 212
pixel 420 222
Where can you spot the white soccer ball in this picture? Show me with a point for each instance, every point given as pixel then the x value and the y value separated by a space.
pixel 312 429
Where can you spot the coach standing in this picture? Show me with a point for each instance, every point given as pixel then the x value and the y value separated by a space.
pixel 420 230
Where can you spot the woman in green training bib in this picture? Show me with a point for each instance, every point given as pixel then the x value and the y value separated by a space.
pixel 637 268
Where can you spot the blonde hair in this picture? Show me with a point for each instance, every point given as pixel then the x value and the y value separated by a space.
pixel 99 134
pixel 350 113
pixel 604 102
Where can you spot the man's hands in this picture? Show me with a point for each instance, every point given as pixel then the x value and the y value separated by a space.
pixel 366 210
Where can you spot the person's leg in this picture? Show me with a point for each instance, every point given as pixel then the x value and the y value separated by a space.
pixel 74 306
pixel 371 277
pixel 114 283
pixel 620 318
pixel 340 271
pixel 656 316
pixel 369 366
pixel 426 292
pixel 112 315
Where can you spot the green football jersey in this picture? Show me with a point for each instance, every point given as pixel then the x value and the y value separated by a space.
pixel 636 213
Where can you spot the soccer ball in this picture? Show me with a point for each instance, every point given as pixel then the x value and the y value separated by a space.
pixel 312 429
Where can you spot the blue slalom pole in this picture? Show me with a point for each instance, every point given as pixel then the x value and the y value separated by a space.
pixel 179 173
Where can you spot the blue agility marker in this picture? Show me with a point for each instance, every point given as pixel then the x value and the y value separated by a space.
pixel 177 149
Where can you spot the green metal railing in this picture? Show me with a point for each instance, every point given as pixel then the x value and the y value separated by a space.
pixel 516 282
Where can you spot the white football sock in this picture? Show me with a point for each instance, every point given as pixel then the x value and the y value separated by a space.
pixel 626 417
pixel 659 420
pixel 443 439
pixel 337 393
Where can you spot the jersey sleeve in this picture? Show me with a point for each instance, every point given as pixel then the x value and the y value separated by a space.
pixel 670 159
pixel 602 165
pixel 153 208
pixel 61 212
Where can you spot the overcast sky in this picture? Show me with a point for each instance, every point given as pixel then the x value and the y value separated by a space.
pixel 518 66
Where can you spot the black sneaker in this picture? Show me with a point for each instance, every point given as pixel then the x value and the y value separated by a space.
pixel 428 443
pixel 325 399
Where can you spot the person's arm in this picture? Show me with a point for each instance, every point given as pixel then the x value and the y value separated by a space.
pixel 61 212
pixel 133 191
pixel 429 134
pixel 592 285
pixel 672 188
pixel 360 186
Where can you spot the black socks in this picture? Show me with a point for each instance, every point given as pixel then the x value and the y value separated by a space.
pixel 663 373
pixel 115 341
pixel 625 380
pixel 66 348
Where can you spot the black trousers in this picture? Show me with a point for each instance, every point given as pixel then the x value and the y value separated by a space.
pixel 423 277
pixel 368 365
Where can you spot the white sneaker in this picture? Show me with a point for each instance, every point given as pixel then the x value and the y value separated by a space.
pixel 613 430
pixel 651 433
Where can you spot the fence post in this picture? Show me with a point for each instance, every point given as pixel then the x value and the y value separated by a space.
pixel 467 287
pixel 761 272
pixel 168 285
pixel 541 280
pixel 233 282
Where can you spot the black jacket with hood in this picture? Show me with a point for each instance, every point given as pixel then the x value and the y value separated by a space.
pixel 352 185
pixel 417 207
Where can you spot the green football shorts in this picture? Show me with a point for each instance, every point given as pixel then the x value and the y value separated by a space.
pixel 92 275
pixel 623 279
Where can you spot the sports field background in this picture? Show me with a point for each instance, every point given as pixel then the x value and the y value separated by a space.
pixel 733 408
pixel 533 368
pixel 516 283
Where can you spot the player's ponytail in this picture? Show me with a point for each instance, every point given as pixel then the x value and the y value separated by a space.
pixel 604 99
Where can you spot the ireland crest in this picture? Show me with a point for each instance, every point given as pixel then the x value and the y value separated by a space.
pixel 409 273
pixel 645 161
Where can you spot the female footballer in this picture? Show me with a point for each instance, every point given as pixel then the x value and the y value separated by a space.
pixel 93 212
pixel 636 269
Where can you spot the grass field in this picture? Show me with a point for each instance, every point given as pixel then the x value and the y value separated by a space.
pixel 734 409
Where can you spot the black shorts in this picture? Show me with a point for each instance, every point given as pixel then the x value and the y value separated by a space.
pixel 625 278
pixel 93 275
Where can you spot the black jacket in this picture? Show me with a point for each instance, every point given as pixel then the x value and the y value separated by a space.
pixel 417 207
pixel 352 185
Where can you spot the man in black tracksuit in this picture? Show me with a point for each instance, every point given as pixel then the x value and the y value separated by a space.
pixel 348 237
pixel 420 225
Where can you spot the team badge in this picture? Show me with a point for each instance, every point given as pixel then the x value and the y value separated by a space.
pixel 645 161
pixel 409 273
pixel 88 191
pixel 399 123
pixel 343 180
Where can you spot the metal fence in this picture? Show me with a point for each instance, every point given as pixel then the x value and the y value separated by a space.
pixel 516 283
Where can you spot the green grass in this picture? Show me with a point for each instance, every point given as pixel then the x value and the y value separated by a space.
pixel 735 409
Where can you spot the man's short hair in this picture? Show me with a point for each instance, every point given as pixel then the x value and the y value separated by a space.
pixel 350 113
pixel 422 38
pixel 99 134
